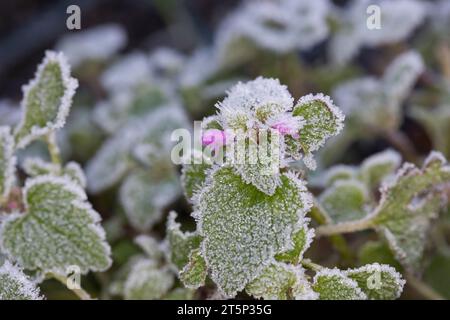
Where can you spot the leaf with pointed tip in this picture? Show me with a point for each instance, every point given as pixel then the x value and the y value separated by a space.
pixel 47 99
pixel 333 284
pixel 345 201
pixel 58 229
pixel 280 281
pixel 147 282
pixel 407 206
pixel 243 228
pixel 181 244
pixel 15 285
pixel 194 273
pixel 145 193
pixel 7 162
pixel 322 121
pixel 378 281
pixel 377 167
pixel 301 239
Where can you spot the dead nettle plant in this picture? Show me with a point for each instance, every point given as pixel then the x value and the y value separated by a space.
pixel 47 224
pixel 253 224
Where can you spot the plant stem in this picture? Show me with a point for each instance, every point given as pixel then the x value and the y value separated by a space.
pixel 53 149
pixel 311 265
pixel 344 227
pixel 337 240
pixel 424 289
pixel 81 293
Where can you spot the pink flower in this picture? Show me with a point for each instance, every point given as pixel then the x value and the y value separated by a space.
pixel 286 124
pixel 214 137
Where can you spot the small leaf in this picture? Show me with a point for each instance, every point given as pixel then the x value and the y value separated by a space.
pixel 243 228
pixel 339 172
pixel 7 162
pixel 377 251
pixel 58 229
pixel 147 282
pixel 15 285
pixel 193 176
pixel 345 201
pixel 333 284
pixel 150 246
pixel 322 121
pixel 280 281
pixel 145 193
pixel 74 171
pixel 301 239
pixel 378 166
pixel 378 281
pixel 407 206
pixel 47 99
pixel 194 273
pixel 181 244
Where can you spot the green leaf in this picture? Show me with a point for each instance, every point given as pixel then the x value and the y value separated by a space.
pixel 150 246
pixel 58 229
pixel 193 176
pixel 407 206
pixel 7 162
pixel 339 172
pixel 194 273
pixel 333 284
pixel 322 121
pixel 436 274
pixel 377 251
pixel 145 193
pixel 15 285
pixel 47 99
pixel 147 282
pixel 243 228
pixel 280 281
pixel 378 281
pixel 181 244
pixel 345 201
pixel 301 239
pixel 377 167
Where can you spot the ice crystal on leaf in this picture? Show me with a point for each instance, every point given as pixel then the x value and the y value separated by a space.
pixel 58 229
pixel 194 272
pixel 333 284
pixel 280 281
pixel 7 161
pixel 47 99
pixel 243 228
pixel 15 285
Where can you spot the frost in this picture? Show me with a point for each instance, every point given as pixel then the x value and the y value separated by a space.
pixel 345 200
pixel 15 285
pixel 243 228
pixel 146 281
pixel 150 246
pixel 333 284
pixel 7 162
pixel 98 43
pixel 378 167
pixel 181 244
pixel 58 229
pixel 145 193
pixel 194 273
pixel 339 172
pixel 280 281
pixel 47 99
pixel 74 171
pixel 193 176
pixel 379 282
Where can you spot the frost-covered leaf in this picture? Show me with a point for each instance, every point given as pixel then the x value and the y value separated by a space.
pixel 280 281
pixel 7 162
pixel 333 284
pixel 47 99
pixel 322 121
pixel 58 229
pixel 378 281
pixel 193 176
pixel 194 273
pixel 400 76
pixel 145 193
pixel 147 282
pixel 377 167
pixel 243 228
pixel 407 206
pixel 345 200
pixel 97 43
pixel 301 240
pixel 115 157
pixel 15 285
pixel 181 244
pixel 150 246
pixel 339 172
pixel 377 251
pixel 75 172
